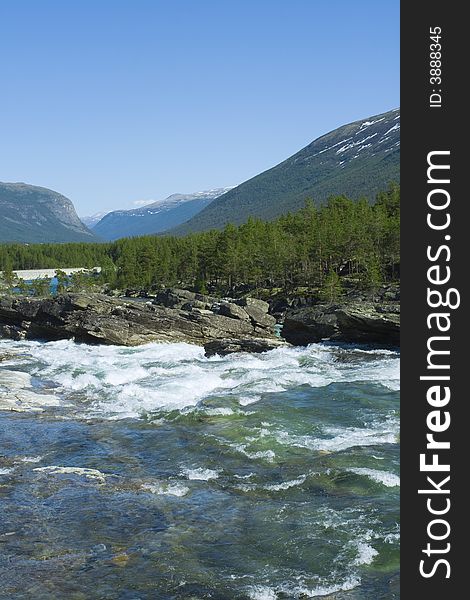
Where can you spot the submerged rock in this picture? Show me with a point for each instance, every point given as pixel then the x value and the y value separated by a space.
pixel 356 322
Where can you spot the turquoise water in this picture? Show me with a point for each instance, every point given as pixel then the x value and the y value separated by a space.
pixel 156 473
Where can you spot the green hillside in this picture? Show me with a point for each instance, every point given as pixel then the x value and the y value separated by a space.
pixel 359 160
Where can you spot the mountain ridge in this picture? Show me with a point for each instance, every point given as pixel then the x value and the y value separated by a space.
pixel 156 217
pixel 35 214
pixel 358 159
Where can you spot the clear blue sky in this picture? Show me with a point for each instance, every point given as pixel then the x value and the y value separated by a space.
pixel 115 101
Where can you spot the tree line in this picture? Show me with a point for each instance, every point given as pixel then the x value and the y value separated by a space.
pixel 314 247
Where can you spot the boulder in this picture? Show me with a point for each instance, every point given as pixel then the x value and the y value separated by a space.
pixel 233 311
pixel 195 304
pixel 173 297
pixel 12 332
pixel 259 317
pixel 230 346
pixel 254 302
pixel 356 322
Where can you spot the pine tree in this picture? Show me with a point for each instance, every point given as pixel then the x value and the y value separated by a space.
pixel 62 281
pixel 331 289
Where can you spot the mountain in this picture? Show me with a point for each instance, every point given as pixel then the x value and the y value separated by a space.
pixel 156 217
pixel 91 220
pixel 29 213
pixel 358 159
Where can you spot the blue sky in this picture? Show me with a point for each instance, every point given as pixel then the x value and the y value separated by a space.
pixel 111 102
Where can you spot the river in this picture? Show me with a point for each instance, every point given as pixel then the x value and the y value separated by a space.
pixel 157 473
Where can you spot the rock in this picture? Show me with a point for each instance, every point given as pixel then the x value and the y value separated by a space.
pixel 114 293
pixel 257 310
pixel 12 332
pixel 16 394
pixel 12 355
pixel 233 311
pixel 230 346
pixel 195 304
pixel 364 323
pixel 174 297
pixel 356 322
pixel 120 560
pixel 305 326
pixel 279 307
pixel 96 318
pixel 254 302
pixel 80 302
pixel 259 317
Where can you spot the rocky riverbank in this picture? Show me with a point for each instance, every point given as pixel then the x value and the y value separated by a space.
pixel 358 317
pixel 175 316
pixel 222 326
pixel 355 322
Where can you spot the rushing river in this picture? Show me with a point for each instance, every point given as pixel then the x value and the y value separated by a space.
pixel 156 473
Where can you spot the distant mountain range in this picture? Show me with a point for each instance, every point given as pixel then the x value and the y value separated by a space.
pixel 358 160
pixel 29 213
pixel 91 220
pixel 152 218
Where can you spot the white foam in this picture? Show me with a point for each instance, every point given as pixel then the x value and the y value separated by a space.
pixel 223 411
pixel 14 379
pixel 6 471
pixel 246 400
pixel 365 553
pixel 391 538
pixel 166 488
pixel 301 590
pixel 248 476
pixel 383 477
pixel 31 459
pixel 342 438
pixel 324 590
pixel 117 382
pixel 262 592
pixel 81 471
pixel 200 474
pixel 285 485
pixel 269 455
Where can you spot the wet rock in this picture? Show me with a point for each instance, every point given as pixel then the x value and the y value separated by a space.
pixel 120 560
pixel 16 394
pixel 230 346
pixel 12 332
pixel 356 322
